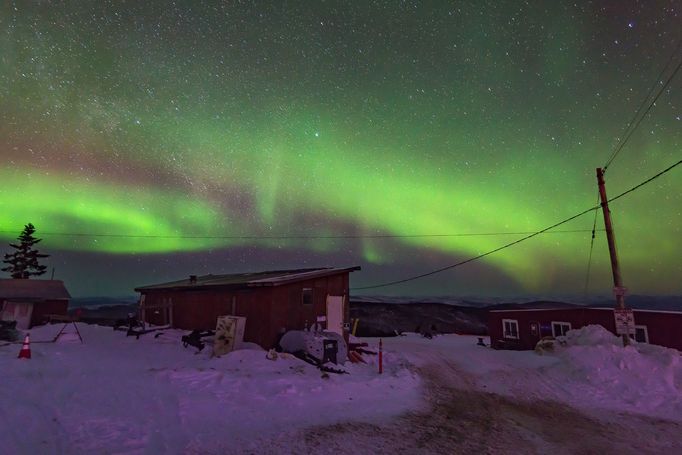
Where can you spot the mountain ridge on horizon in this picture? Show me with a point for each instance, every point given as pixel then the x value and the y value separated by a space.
pixel 643 302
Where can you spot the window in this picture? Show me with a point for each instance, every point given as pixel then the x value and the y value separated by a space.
pixel 307 296
pixel 559 329
pixel 510 328
pixel 641 334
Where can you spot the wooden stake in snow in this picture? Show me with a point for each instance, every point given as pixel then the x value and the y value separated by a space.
pixel 618 288
pixel 381 356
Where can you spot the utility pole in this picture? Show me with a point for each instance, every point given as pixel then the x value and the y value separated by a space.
pixel 618 288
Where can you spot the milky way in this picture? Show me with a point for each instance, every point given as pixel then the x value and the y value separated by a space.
pixel 207 137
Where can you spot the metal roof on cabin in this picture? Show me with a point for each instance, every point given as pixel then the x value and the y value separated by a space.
pixel 33 289
pixel 253 279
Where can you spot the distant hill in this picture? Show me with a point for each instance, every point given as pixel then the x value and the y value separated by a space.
pixel 384 316
pixel 93 302
pixel 540 304
pixel 384 319
pixel 103 310
pixel 645 302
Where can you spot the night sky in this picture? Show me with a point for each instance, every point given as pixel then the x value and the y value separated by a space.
pixel 211 130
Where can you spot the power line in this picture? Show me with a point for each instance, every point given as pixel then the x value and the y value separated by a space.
pixel 650 179
pixel 442 269
pixel 295 237
pixel 630 129
pixel 589 257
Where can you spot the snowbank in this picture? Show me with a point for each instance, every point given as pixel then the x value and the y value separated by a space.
pixel 116 394
pixel 597 370
pixel 592 371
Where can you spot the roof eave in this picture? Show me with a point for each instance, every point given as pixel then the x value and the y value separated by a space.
pixel 294 278
pixel 247 285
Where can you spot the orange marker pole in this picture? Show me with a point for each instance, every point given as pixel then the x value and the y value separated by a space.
pixel 381 356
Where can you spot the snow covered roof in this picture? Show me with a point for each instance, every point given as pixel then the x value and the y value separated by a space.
pixel 33 289
pixel 252 279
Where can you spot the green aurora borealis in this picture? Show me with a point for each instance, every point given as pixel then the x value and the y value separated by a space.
pixel 221 122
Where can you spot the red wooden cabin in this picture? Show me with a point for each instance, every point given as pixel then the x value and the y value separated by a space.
pixel 523 328
pixel 29 301
pixel 272 302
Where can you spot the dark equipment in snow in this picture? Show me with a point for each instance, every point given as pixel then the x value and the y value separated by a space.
pixel 426 333
pixel 316 348
pixel 8 331
pixel 135 327
pixel 127 324
pixel 331 348
pixel 137 332
pixel 311 359
pixel 194 338
pixel 314 344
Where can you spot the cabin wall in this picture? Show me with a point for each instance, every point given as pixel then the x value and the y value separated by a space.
pixel 269 310
pixel 290 313
pixel 200 309
pixel 43 308
pixel 664 329
pixel 541 319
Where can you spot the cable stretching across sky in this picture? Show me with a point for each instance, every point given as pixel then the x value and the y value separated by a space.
pixel 433 272
pixel 298 237
pixel 637 119
pixel 629 130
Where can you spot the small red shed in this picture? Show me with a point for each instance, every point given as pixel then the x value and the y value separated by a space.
pixel 29 301
pixel 273 302
pixel 523 328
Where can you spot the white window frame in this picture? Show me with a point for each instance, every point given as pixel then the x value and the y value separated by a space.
pixel 504 332
pixel 562 323
pixel 646 333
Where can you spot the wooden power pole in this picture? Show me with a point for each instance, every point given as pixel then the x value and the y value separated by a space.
pixel 618 288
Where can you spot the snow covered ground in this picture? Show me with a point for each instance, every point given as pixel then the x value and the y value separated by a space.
pixel 592 372
pixel 116 394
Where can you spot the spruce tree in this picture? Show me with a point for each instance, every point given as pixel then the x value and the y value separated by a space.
pixel 23 263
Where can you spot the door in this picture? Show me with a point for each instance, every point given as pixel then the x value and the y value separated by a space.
pixel 535 332
pixel 335 313
pixel 18 311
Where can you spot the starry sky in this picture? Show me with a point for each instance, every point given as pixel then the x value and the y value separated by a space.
pixel 147 141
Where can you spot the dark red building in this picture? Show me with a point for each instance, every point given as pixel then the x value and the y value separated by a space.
pixel 523 328
pixel 272 302
pixel 29 302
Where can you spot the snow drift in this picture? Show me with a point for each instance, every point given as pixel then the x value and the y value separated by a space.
pixel 116 394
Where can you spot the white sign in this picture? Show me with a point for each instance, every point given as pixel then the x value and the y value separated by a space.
pixel 625 321
pixel 229 333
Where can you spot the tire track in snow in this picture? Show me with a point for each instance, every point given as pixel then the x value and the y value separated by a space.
pixel 463 419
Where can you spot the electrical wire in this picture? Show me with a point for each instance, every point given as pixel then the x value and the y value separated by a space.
pixel 442 269
pixel 630 129
pixel 589 257
pixel 293 237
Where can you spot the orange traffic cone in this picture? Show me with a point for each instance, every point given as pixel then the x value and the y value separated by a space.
pixel 25 352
